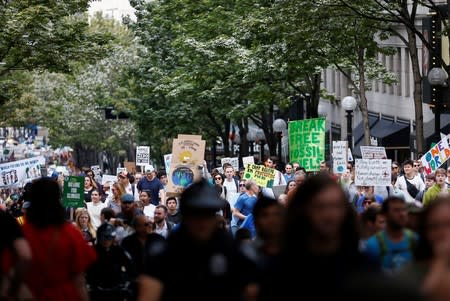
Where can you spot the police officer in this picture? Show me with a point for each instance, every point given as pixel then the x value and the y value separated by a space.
pixel 198 260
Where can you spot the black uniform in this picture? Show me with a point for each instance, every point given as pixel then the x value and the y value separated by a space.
pixel 191 270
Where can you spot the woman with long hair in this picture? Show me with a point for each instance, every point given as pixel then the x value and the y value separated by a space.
pixel 114 201
pixel 84 224
pixel 60 254
pixel 89 186
pixel 218 182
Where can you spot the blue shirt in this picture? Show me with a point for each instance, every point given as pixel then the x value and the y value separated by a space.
pixel 245 204
pixel 395 255
pixel 153 187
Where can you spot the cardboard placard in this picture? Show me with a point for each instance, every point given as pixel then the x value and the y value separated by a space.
pixel 120 169
pixel 263 176
pixel 130 166
pixel 73 192
pixel 373 172
pixel 109 178
pixel 142 155
pixel 187 157
pixel 340 156
pixel 307 142
pixel 373 152
pixel 436 156
pixel 189 137
pixel 248 160
pixel 233 161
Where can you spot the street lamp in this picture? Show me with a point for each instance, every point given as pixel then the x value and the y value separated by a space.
pixel 437 78
pixel 349 105
pixel 279 125
pixel 261 137
pixel 251 137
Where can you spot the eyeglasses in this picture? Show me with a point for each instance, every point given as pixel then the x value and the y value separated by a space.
pixel 367 202
pixel 416 165
pixel 242 185
pixel 218 178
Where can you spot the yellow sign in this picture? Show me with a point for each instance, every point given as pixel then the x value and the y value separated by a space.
pixel 263 176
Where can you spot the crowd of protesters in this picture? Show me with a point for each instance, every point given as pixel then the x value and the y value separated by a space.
pixel 226 238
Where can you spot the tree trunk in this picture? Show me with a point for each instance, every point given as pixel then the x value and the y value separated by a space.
pixel 315 95
pixel 225 137
pixel 362 95
pixel 243 130
pixel 417 90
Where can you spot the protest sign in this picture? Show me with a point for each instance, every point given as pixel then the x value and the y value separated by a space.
pixel 109 178
pixel 96 170
pixel 142 155
pixel 233 161
pixel 436 156
pixel 120 169
pixel 18 173
pixel 307 142
pixel 187 156
pixel 167 160
pixel 373 172
pixel 73 192
pixel 373 152
pixel 130 166
pixel 263 176
pixel 248 160
pixel 339 156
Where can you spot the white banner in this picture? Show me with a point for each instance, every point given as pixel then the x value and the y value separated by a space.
pixel 339 156
pixel 142 155
pixel 373 152
pixel 18 173
pixel 120 169
pixel 373 172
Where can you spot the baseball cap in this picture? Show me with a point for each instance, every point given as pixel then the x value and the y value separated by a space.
pixel 124 174
pixel 127 198
pixel 149 168
pixel 106 232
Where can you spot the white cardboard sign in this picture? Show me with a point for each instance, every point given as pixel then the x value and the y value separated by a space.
pixel 339 156
pixel 373 152
pixel 373 172
pixel 142 155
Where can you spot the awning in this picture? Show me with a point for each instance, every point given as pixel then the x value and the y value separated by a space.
pixel 386 131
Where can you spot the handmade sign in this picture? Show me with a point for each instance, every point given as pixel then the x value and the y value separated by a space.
pixel 373 172
pixel 142 155
pixel 307 142
pixel 248 160
pixel 233 161
pixel 73 192
pixel 187 158
pixel 167 160
pixel 373 152
pixel 263 176
pixel 339 156
pixel 436 156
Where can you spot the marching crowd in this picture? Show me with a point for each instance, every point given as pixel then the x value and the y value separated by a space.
pixel 226 238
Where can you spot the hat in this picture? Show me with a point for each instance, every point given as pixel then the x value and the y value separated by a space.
pixel 200 197
pixel 106 231
pixel 149 168
pixel 124 174
pixel 127 198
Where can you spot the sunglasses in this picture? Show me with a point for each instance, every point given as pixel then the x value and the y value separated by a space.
pixel 367 203
pixel 218 178
pixel 241 185
pixel 416 165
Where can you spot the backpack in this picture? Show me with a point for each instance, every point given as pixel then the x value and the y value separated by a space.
pixel 383 244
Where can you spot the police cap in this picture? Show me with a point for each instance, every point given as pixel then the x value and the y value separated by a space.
pixel 200 197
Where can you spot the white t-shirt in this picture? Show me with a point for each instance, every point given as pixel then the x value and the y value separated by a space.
pixel 94 210
pixel 416 181
pixel 232 191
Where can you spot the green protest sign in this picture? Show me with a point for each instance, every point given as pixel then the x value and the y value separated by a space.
pixel 307 142
pixel 73 192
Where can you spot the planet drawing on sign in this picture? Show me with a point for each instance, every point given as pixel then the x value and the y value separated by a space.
pixel 340 168
pixel 182 176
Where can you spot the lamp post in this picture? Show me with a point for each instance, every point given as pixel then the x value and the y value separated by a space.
pixel 261 137
pixel 437 78
pixel 279 125
pixel 349 105
pixel 251 137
